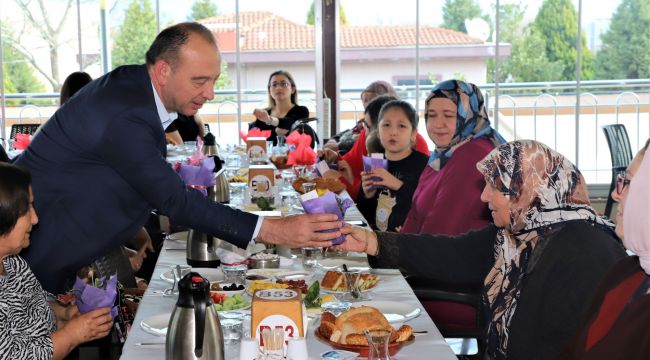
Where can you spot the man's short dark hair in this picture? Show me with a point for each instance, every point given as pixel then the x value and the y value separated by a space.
pixel 14 196
pixel 169 41
pixel 374 107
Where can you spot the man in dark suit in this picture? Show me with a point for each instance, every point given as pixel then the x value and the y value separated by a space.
pixel 98 164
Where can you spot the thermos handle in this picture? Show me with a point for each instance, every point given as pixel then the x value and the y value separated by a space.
pixel 199 321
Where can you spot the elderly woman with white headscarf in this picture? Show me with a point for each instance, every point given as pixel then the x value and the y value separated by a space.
pixel 616 325
pixel 538 264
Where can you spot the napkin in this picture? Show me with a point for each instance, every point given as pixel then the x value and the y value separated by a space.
pixel 93 296
pixel 255 132
pixel 303 153
pixel 231 257
pixel 329 203
pixel 198 176
pixel 22 141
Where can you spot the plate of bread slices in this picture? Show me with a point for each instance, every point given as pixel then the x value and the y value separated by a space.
pixel 334 282
pixel 346 331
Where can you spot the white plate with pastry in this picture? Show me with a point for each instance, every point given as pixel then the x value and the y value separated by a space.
pixel 334 282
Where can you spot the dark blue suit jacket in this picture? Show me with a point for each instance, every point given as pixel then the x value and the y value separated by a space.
pixel 98 170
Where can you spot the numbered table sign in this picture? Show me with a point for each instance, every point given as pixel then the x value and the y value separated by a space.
pixel 277 308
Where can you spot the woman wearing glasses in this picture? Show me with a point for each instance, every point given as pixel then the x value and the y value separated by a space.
pixel 283 109
pixel 615 325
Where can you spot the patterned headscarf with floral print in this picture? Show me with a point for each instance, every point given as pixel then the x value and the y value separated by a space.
pixel 544 189
pixel 471 118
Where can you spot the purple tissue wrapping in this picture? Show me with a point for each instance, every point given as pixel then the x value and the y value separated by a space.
pixel 200 177
pixel 89 298
pixel 329 203
pixel 370 163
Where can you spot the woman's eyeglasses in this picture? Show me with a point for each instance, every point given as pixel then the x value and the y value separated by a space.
pixel 621 183
pixel 283 84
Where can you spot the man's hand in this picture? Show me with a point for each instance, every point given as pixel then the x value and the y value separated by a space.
pixel 300 230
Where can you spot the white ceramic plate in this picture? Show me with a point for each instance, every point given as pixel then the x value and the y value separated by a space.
pixel 337 263
pixel 156 325
pixel 212 274
pixel 296 275
pixel 395 312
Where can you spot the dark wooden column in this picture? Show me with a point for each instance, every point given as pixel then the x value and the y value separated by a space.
pixel 330 58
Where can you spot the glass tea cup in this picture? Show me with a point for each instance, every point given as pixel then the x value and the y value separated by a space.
pixel 231 328
pixel 177 271
pixel 310 257
pixel 234 273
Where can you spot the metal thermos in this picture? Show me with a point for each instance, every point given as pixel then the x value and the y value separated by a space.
pixel 194 331
pixel 210 146
pixel 201 250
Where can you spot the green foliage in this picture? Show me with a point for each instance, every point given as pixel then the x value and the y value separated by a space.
pixel 202 9
pixel 454 13
pixel 526 63
pixel 18 72
pixel 223 82
pixel 135 35
pixel 625 53
pixel 557 24
pixel 343 20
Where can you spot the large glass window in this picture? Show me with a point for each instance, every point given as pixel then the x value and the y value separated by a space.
pixel 536 90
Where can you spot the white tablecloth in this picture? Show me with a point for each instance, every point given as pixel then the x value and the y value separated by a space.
pixel 392 287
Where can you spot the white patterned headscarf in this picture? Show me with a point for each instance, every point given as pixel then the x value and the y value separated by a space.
pixel 636 214
pixel 545 189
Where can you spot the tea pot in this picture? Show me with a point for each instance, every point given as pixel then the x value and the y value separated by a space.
pixel 194 331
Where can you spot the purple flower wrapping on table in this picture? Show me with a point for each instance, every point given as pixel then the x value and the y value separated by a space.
pixel 89 297
pixel 200 177
pixel 329 203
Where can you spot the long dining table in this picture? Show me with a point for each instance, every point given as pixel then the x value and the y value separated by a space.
pixel 392 288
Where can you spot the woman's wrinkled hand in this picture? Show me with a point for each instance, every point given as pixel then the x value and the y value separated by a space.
pixel 357 239
pixel 92 325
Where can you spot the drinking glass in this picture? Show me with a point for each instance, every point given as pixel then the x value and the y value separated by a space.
pixel 378 341
pixel 351 285
pixel 232 329
pixel 234 273
pixel 297 348
pixel 178 271
pixel 310 257
pixel 288 177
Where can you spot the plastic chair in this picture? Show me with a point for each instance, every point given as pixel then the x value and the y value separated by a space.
pixel 621 154
pixel 456 311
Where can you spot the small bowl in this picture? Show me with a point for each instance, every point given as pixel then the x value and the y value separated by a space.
pixel 264 263
pixel 228 292
pixel 251 278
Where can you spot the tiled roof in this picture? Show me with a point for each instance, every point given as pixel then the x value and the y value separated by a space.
pixel 262 30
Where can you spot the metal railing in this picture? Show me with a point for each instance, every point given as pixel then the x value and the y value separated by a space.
pixel 527 110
